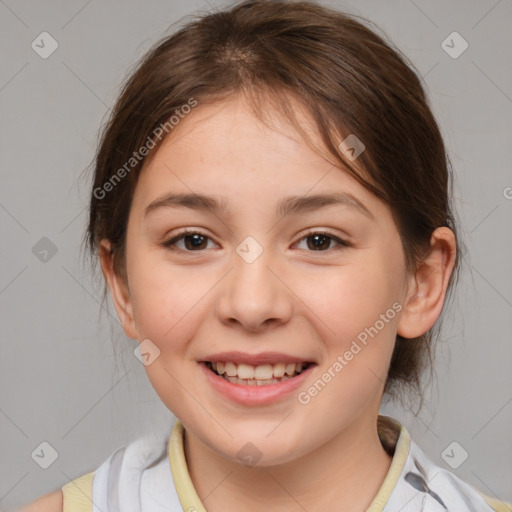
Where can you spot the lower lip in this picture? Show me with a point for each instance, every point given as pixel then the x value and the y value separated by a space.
pixel 255 395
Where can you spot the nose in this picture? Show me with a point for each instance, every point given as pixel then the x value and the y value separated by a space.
pixel 253 295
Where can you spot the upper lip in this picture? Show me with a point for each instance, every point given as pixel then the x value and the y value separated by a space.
pixel 254 359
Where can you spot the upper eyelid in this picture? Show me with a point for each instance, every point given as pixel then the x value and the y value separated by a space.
pixel 341 240
pixel 183 234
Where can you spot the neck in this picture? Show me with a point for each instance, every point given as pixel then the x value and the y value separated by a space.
pixel 343 474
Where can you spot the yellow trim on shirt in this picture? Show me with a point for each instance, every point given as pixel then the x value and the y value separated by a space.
pixel 77 494
pixel 190 500
pixel 497 505
pixel 395 469
pixel 184 487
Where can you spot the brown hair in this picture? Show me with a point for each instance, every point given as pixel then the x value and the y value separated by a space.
pixel 349 81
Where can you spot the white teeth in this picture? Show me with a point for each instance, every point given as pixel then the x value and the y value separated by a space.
pixel 257 375
pixel 290 369
pixel 231 369
pixel 246 372
pixel 279 370
pixel 254 382
pixel 263 372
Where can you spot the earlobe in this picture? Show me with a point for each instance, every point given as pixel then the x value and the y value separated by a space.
pixel 118 290
pixel 427 287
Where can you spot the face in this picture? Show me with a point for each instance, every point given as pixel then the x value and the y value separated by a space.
pixel 274 318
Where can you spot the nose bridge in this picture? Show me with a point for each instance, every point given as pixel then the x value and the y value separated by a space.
pixel 252 294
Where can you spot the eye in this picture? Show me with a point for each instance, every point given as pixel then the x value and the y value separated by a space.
pixel 194 241
pixel 319 241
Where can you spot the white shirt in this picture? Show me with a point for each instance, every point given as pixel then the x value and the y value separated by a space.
pixel 151 475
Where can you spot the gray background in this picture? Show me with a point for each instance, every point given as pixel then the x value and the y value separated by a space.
pixel 59 377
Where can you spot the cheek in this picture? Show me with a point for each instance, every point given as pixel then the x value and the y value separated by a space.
pixel 165 296
pixel 356 312
pixel 166 307
pixel 165 300
pixel 348 299
pixel 358 347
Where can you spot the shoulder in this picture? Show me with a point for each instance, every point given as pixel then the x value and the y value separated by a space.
pixel 414 479
pixel 444 486
pixel 496 505
pixel 51 502
pixel 75 496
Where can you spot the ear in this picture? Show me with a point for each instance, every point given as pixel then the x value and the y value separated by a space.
pixel 427 286
pixel 119 290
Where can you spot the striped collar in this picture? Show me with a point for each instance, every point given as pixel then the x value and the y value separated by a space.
pixel 151 475
pixel 394 437
pixel 413 482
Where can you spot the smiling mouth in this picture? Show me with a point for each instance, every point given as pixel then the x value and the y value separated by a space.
pixel 262 375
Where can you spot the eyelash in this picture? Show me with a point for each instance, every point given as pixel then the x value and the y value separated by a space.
pixel 170 244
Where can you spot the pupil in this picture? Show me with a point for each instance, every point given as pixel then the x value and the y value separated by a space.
pixel 317 238
pixel 197 241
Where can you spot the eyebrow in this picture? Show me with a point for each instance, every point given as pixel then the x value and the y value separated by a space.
pixel 286 206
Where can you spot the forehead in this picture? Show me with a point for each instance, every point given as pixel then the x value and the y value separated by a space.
pixel 233 127
pixel 225 150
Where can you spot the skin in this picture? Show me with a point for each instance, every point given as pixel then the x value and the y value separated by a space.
pixel 52 502
pixel 292 299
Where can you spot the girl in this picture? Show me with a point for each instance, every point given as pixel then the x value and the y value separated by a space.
pixel 271 210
